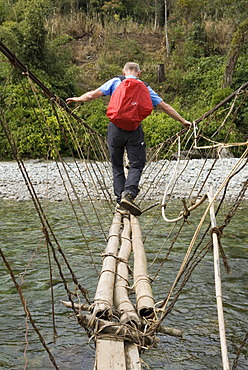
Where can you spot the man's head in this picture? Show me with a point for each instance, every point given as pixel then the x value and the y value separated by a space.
pixel 131 68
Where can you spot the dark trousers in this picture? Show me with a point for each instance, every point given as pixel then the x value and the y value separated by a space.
pixel 133 141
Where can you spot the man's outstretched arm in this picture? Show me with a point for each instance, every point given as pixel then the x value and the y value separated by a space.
pixel 90 95
pixel 168 109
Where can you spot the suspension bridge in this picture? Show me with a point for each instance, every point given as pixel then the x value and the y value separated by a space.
pixel 123 317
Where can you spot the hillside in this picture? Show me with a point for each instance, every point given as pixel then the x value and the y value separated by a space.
pixel 88 54
pixel 73 49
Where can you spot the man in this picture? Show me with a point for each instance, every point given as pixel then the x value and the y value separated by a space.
pixel 126 189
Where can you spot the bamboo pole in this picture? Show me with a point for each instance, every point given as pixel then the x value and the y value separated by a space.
pixel 78 306
pixel 170 331
pixel 121 300
pixel 110 354
pixel 132 356
pixel 103 302
pixel 218 291
pixel 143 290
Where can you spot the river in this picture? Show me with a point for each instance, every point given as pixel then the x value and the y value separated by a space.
pixel 195 312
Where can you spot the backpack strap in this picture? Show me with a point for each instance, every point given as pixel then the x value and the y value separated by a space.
pixel 122 77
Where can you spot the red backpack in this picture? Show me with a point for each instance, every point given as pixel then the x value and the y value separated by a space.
pixel 129 104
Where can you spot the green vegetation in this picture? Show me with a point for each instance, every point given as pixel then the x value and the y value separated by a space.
pixel 74 46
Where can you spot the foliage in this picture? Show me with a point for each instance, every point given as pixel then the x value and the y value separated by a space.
pixel 33 34
pixel 190 9
pixel 34 128
pixel 76 45
pixel 228 133
pixel 11 35
pixel 50 59
pixel 122 51
pixel 94 114
pixel 4 11
pixel 158 127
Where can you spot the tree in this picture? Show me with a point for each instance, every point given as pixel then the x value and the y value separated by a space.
pixel 238 41
pixel 34 33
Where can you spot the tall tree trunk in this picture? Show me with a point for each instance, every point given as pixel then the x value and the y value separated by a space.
pixel 238 41
pixel 155 15
pixel 167 45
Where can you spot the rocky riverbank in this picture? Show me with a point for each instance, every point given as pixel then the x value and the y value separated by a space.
pixel 95 179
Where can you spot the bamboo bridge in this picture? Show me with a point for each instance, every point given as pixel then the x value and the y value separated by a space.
pixel 124 319
pixel 122 328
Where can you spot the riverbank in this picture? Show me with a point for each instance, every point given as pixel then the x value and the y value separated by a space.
pixel 94 179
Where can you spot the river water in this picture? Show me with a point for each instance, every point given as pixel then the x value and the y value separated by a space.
pixel 195 312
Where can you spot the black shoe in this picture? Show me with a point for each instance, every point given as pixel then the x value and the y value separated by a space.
pixel 128 203
pixel 121 209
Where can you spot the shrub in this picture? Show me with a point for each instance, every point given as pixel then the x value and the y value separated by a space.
pixel 94 113
pixel 158 127
pixel 34 128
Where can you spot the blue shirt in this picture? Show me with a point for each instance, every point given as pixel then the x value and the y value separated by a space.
pixel 109 87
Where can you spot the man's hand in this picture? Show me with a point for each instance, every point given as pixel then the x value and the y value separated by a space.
pixel 187 124
pixel 72 100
